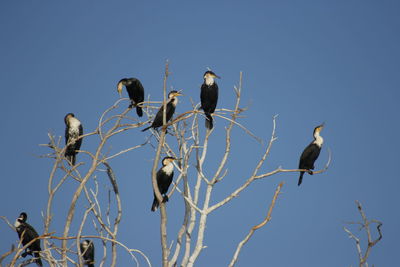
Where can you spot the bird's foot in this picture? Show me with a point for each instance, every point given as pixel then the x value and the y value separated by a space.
pixel 23 255
pixel 165 199
pixel 310 172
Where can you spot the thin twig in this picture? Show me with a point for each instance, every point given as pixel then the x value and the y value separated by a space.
pixel 258 226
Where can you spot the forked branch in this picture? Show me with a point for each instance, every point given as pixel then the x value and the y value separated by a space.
pixel 365 225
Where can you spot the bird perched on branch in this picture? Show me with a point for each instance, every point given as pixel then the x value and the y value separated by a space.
pixel 87 251
pixel 26 234
pixel 311 153
pixel 73 130
pixel 209 96
pixel 164 180
pixel 171 105
pixel 135 91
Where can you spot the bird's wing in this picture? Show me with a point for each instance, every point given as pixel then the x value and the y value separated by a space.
pixel 170 111
pixel 163 181
pixel 32 230
pixel 209 97
pixel 79 142
pixel 139 96
pixel 66 135
pixel 309 155
pixel 303 164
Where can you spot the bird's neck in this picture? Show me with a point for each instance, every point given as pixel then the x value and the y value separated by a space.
pixel 318 140
pixel 17 223
pixel 174 101
pixel 209 81
pixel 169 168
pixel 74 123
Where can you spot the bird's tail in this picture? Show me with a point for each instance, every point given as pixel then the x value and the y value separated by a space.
pixel 38 260
pixel 139 111
pixel 154 207
pixel 90 265
pixel 145 129
pixel 209 121
pixel 300 178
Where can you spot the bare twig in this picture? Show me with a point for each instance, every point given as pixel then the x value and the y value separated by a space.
pixel 365 225
pixel 258 226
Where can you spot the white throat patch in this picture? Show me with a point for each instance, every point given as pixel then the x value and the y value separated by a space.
pixel 85 244
pixel 74 123
pixel 318 140
pixel 174 101
pixel 209 80
pixel 169 168
pixel 17 223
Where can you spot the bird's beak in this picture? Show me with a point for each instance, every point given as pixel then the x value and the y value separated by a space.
pixel 178 93
pixel 216 76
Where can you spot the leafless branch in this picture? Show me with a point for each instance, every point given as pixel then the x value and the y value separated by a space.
pixel 258 226
pixel 365 224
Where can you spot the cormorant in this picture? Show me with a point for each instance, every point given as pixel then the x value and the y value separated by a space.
pixel 311 153
pixel 72 131
pixel 171 105
pixel 209 96
pixel 164 180
pixel 87 251
pixel 26 233
pixel 135 91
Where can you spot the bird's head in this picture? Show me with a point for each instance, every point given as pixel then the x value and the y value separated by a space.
pixel 210 74
pixel 209 77
pixel 319 128
pixel 173 94
pixel 86 243
pixel 67 117
pixel 21 219
pixel 167 160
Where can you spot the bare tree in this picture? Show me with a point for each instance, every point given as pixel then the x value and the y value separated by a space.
pixel 364 225
pixel 188 145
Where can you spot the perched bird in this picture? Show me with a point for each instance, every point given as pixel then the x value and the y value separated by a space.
pixel 135 91
pixel 311 153
pixel 87 251
pixel 171 105
pixel 209 96
pixel 164 180
pixel 26 234
pixel 72 131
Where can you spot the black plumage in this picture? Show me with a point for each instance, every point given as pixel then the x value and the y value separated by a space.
pixel 311 153
pixel 87 251
pixel 209 97
pixel 164 179
pixel 135 91
pixel 171 105
pixel 26 234
pixel 73 130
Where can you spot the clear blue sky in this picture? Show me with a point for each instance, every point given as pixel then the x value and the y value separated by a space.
pixel 308 61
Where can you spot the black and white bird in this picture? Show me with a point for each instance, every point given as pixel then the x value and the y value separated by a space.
pixel 87 251
pixel 164 179
pixel 135 91
pixel 26 234
pixel 209 96
pixel 311 153
pixel 73 130
pixel 171 105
